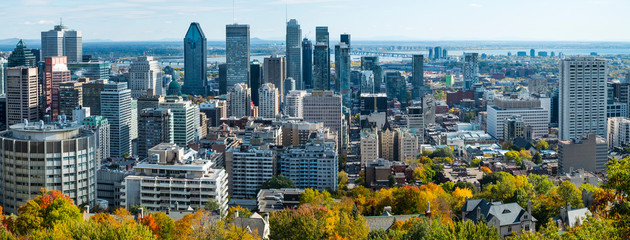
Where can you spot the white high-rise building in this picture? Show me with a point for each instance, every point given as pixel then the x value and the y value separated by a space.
pixel 618 132
pixel 415 121
pixel 293 103
pixel 324 106
pixel 145 73
pixel 185 119
pixel 369 146
pixel 311 166
pixel 62 41
pixel 189 181
pixel 116 107
pixel 269 103
pixel 533 114
pixel 22 95
pixel 582 99
pixel 239 101
pixel 248 169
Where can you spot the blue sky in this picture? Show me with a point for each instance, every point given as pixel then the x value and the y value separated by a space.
pixel 133 20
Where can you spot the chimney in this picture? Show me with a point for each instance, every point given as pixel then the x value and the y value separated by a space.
pixel 478 213
pixel 427 213
pixel 141 213
pixel 529 206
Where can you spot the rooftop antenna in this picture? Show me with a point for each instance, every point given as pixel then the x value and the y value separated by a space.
pixel 286 11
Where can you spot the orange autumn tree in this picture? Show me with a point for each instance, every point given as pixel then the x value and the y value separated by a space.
pixel 46 210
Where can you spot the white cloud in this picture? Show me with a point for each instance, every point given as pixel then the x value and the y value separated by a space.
pixel 40 22
pixel 475 5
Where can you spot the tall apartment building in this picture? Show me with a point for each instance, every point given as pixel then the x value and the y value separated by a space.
pixel 274 71
pixel 269 104
pixel 70 97
pixel 52 156
pixel 618 132
pixel 185 119
pixel 55 73
pixel 321 59
pixel 471 70
pixel 294 52
pixel 116 107
pixel 248 168
pixel 298 133
pixel 171 179
pixel 369 145
pixel 324 106
pixel 582 100
pixel 513 127
pixel 195 60
pixel 388 143
pixel 144 74
pixel 237 54
pixel 531 111
pixel 22 95
pixel 148 100
pixel 239 101
pixel 428 107
pixel 311 166
pixel 293 103
pixel 61 41
pixel 100 126
pixel 408 144
pixel 588 152
pixel 155 126
pixel 214 110
pixel 415 121
pixel 417 82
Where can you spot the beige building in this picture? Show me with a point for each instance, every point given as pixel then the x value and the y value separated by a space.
pixel 589 152
pixel 297 133
pixel 293 103
pixel 269 103
pixel 22 95
pixel 408 145
pixel 369 146
pixel 239 101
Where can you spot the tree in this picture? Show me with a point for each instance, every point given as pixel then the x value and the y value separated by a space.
pixel 46 210
pixel 211 205
pixel 315 197
pixel 277 182
pixel 342 180
pixel 513 156
pixel 570 195
pixel 391 180
pixel 165 224
pixel 475 162
pixel 443 153
pixel 242 212
pixel 537 159
pixel 542 145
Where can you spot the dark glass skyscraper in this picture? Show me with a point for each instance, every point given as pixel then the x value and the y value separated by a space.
pixel 418 77
pixel 195 61
pixel 237 54
pixel 321 59
pixel 342 72
pixel 21 56
pixel 371 63
pixel 255 79
pixel 294 52
pixel 307 63
pixel 345 38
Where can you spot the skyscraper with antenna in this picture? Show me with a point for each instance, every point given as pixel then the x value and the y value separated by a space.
pixel 294 52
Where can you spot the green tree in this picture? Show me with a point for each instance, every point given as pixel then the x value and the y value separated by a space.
pixel 537 159
pixel 542 145
pixel 315 197
pixel 570 195
pixel 513 156
pixel 211 205
pixel 475 162
pixel 443 153
pixel 342 180
pixel 277 182
pixel 46 210
pixel 166 226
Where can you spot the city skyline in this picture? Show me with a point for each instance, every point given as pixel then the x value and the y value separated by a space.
pixel 155 20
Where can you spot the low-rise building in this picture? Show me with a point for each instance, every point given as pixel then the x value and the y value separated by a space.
pixel 589 152
pixel 505 217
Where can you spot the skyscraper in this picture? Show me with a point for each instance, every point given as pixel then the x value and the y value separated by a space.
pixel 55 73
pixel 371 63
pixel 367 81
pixel 293 103
pixel 471 70
pixel 321 59
pixel 185 119
pixel 342 72
pixel 269 101
pixel 70 97
pixel 60 41
pixel 582 100
pixel 307 63
pixel 437 52
pixel 92 95
pixel 324 106
pixel 237 54
pixel 3 85
pixel 418 77
pixel 345 38
pixel 100 126
pixel 239 101
pixel 532 52
pixel 195 60
pixel 21 56
pixel 22 89
pixel 294 52
pixel 116 107
pixel 275 71
pixel 155 126
pixel 255 80
pixel 144 74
